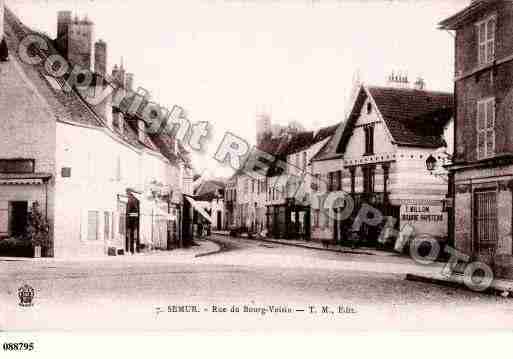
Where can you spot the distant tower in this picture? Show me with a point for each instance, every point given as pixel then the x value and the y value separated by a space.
pixel 100 57
pixel 75 39
pixel 263 126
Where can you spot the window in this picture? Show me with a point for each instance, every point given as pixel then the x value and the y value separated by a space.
pixel 369 140
pixel 331 178
pixel 304 161
pixel 17 166
pixel 368 179
pixel 485 219
pixel 485 128
pixel 316 182
pixel 317 214
pixel 338 181
pixel 369 108
pixel 106 225
pixel 486 40
pixel 92 225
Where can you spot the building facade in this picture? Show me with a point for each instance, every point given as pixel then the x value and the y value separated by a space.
pixel 378 157
pixel 102 182
pixel 482 168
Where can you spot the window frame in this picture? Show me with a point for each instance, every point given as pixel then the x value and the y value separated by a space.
pixel 97 229
pixel 369 140
pixel 487 41
pixel 10 161
pixel 486 129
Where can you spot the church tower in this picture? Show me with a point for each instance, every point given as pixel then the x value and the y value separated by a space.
pixel 75 39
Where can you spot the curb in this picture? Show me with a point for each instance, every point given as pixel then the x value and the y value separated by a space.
pixel 498 285
pixel 454 283
pixel 302 245
pixel 218 250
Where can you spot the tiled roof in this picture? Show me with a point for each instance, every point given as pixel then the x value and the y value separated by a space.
pixel 453 22
pixel 407 114
pixel 69 105
pixel 414 118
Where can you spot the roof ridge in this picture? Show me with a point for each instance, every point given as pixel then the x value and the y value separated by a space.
pixel 410 90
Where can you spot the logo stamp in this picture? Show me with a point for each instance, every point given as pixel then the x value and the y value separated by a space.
pixel 26 296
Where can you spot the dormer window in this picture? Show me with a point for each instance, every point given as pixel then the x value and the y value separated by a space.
pixel 486 40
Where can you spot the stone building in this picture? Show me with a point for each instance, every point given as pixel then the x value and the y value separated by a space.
pixel 378 156
pixel 90 167
pixel 482 167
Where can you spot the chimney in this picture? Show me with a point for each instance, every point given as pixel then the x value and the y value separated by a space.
pixel 398 80
pixel 100 57
pixel 141 129
pixel 4 51
pixel 1 20
pixel 129 81
pixel 420 84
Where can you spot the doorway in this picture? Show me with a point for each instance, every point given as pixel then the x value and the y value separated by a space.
pixel 18 218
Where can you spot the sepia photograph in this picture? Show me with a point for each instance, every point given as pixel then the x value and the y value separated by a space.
pixel 255 166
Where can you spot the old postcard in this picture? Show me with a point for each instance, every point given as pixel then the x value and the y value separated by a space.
pixel 255 166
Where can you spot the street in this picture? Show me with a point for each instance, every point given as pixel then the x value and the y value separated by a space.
pixel 310 290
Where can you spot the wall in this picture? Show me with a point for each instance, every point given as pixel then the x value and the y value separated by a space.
pixel 102 168
pixel 27 130
pixel 489 82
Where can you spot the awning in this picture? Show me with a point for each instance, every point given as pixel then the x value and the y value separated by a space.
pixel 198 208
pixel 24 178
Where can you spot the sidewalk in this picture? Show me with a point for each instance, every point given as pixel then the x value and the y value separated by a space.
pixel 317 246
pixel 204 247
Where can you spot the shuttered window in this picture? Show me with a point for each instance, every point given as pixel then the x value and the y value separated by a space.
pixel 485 219
pixel 92 225
pixel 486 128
pixel 486 40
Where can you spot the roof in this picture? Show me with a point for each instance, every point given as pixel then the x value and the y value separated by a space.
pixel 407 114
pixel 456 20
pixel 70 106
pixel 414 118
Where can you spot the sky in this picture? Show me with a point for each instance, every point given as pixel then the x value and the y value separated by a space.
pixel 227 61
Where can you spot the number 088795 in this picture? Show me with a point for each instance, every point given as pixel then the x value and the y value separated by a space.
pixel 18 346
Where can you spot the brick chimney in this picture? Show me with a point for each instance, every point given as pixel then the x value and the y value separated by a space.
pixel 100 57
pixel 419 84
pixel 398 80
pixel 1 19
pixel 4 51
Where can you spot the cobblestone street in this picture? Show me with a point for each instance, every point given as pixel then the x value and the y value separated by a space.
pixel 133 293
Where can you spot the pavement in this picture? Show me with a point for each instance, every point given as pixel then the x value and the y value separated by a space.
pixel 317 245
pixel 203 247
pixel 429 274
pixel 319 291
